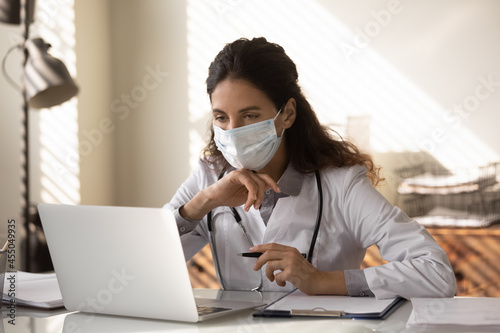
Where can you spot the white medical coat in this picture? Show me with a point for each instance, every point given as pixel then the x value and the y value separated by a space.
pixel 355 216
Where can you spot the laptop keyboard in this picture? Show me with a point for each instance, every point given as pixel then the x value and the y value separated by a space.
pixel 204 310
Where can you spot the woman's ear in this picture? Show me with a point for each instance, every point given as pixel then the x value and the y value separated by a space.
pixel 289 113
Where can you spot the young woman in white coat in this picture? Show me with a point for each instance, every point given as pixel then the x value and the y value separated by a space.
pixel 273 180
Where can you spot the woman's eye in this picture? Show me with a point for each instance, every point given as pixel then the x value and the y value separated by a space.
pixel 250 116
pixel 219 118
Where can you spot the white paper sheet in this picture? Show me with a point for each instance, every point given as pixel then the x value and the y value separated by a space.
pixel 40 290
pixel 359 305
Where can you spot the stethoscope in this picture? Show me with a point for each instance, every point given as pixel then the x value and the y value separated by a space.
pixel 238 221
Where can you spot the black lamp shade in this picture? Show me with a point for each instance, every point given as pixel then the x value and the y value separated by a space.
pixel 47 80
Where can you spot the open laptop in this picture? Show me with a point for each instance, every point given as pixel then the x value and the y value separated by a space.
pixel 125 261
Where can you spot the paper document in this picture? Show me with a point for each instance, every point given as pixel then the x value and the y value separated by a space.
pixel 458 311
pixel 358 305
pixel 39 290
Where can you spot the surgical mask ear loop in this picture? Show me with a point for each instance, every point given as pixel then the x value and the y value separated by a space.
pixel 277 113
pixel 274 119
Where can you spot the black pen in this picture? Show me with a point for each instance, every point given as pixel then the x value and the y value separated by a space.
pixel 258 254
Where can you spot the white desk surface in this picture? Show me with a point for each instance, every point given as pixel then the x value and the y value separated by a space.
pixel 56 321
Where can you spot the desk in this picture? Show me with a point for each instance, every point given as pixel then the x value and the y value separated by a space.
pixel 37 321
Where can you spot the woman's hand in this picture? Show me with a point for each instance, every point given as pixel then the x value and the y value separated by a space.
pixel 241 187
pixel 235 189
pixel 285 263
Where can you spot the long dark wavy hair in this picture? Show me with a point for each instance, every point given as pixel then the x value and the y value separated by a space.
pixel 310 145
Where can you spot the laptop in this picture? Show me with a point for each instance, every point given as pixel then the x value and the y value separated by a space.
pixel 125 261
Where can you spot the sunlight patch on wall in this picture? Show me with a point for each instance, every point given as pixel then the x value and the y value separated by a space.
pixel 58 161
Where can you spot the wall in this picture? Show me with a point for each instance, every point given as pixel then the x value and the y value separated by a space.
pixel 149 100
pixel 96 140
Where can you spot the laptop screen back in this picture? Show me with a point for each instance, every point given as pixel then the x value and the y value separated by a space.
pixel 119 260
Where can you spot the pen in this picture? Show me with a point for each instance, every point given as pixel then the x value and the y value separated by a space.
pixel 258 254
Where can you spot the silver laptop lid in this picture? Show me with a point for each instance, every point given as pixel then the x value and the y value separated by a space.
pixel 119 260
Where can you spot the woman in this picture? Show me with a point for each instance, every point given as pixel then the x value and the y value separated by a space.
pixel 306 199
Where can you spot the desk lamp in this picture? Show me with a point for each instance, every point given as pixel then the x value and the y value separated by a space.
pixel 45 82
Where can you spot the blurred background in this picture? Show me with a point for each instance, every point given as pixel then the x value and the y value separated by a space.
pixel 412 82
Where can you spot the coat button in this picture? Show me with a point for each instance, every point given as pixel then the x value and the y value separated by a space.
pixel 182 229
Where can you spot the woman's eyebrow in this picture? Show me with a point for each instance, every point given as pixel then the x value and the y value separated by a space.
pixel 248 108
pixel 217 111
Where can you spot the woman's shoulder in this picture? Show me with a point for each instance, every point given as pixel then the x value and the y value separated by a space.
pixel 341 179
pixel 346 172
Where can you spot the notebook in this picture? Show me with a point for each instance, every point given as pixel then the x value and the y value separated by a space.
pixel 125 261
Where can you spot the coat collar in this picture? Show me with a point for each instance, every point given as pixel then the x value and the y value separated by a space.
pixel 291 181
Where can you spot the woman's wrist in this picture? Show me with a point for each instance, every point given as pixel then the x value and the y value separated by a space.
pixel 196 208
pixel 328 283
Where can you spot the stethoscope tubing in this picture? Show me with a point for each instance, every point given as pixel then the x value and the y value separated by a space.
pixel 237 217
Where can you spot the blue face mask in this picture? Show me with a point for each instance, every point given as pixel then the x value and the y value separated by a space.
pixel 251 146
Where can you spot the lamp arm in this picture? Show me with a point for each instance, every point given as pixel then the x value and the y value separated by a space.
pixel 9 79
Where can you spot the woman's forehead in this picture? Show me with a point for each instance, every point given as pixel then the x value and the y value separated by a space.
pixel 232 94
